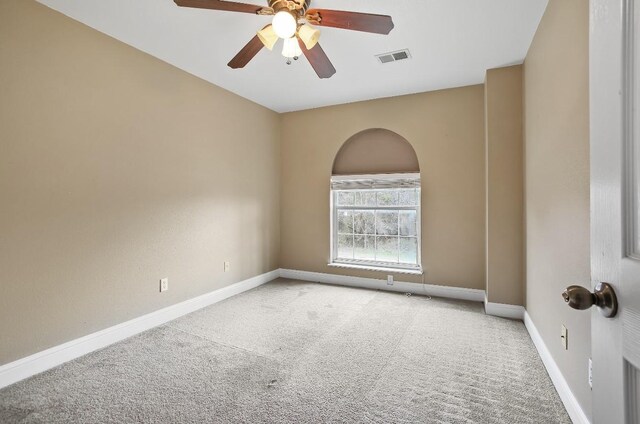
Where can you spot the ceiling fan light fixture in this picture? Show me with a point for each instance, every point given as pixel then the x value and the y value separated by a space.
pixel 284 24
pixel 309 36
pixel 291 48
pixel 268 36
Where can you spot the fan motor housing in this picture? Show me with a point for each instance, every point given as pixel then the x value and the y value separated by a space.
pixel 297 6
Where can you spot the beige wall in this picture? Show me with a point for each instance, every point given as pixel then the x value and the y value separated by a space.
pixel 504 185
pixel 116 170
pixel 445 128
pixel 375 151
pixel 557 184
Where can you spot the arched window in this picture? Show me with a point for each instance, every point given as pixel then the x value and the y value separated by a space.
pixel 375 204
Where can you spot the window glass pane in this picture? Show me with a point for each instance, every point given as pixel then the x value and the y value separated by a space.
pixel 387 222
pixel 363 222
pixel 387 250
pixel 409 250
pixel 346 198
pixel 345 222
pixel 364 248
pixel 388 198
pixel 408 197
pixel 365 198
pixel 377 227
pixel 345 247
pixel 408 223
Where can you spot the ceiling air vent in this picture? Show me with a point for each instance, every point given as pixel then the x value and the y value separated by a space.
pixel 394 56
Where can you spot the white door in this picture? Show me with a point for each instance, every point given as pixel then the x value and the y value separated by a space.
pixel 615 215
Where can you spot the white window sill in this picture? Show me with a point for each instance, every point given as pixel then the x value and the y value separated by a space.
pixel 377 268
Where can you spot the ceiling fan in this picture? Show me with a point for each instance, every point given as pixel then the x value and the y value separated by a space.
pixel 292 21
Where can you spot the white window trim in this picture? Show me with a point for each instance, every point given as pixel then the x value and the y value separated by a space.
pixel 372 265
pixel 377 268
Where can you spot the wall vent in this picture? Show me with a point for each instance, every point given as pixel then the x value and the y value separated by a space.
pixel 394 56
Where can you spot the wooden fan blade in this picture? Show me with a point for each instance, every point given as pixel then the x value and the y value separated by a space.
pixel 318 60
pixel 367 22
pixel 220 5
pixel 246 54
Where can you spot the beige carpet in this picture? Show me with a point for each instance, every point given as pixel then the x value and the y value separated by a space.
pixel 296 352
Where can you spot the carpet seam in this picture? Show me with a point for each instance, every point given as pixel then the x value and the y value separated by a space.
pixel 376 379
pixel 223 344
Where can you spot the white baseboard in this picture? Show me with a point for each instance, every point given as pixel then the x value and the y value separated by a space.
pixel 566 395
pixel 504 310
pixel 52 357
pixel 374 283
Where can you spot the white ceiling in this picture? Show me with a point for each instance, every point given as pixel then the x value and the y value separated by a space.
pixel 452 43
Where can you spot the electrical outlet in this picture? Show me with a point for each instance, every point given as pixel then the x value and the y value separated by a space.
pixel 590 373
pixel 227 266
pixel 389 280
pixel 164 285
pixel 563 336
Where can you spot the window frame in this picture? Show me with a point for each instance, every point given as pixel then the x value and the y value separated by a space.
pixel 372 264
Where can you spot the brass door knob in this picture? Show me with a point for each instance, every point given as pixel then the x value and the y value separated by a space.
pixel 604 297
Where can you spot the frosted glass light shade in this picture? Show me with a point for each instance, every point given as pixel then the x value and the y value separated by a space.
pixel 291 48
pixel 284 24
pixel 268 36
pixel 309 36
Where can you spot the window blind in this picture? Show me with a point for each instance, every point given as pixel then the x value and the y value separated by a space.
pixel 377 182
